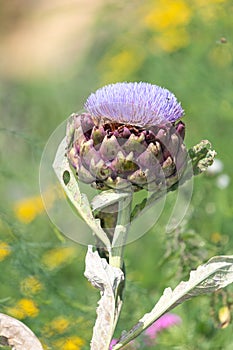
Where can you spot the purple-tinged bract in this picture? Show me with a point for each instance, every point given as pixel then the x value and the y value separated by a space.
pixel 140 104
pixel 128 139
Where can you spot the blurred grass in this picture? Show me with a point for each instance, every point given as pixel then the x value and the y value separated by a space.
pixel 124 48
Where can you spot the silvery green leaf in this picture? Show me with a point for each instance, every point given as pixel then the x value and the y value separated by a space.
pixel 17 335
pixel 215 274
pixel 106 198
pixel 107 279
pixel 79 200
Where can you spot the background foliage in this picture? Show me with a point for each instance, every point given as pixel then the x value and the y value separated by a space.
pixel 185 46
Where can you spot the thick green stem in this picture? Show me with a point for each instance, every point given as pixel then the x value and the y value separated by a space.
pixel 121 231
pixel 115 221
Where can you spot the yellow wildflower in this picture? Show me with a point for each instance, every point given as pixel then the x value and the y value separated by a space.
pixel 167 14
pixel 30 285
pixel 71 343
pixel 121 66
pixel 4 250
pixel 169 20
pixel 24 308
pixel 172 39
pixel 57 325
pixel 27 209
pixel 60 324
pixel 56 257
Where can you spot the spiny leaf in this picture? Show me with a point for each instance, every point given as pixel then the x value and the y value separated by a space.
pixel 215 274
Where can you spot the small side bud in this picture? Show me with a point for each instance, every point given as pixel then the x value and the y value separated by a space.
pixel 224 316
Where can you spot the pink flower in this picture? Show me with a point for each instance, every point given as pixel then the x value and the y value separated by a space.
pixel 113 342
pixel 150 334
pixel 163 322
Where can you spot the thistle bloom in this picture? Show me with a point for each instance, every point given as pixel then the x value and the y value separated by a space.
pixel 129 137
pixel 135 104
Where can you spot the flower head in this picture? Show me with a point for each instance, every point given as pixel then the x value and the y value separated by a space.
pixel 4 250
pixel 30 285
pixel 129 138
pixel 70 343
pixel 57 257
pixel 135 104
pixel 27 209
pixel 23 308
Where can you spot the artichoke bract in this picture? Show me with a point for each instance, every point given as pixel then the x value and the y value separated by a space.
pixel 129 138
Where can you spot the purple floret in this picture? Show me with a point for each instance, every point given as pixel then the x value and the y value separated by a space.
pixel 138 104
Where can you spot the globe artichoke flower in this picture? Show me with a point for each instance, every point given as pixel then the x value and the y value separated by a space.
pixel 129 138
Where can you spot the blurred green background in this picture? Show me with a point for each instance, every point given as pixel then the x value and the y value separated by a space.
pixel 53 55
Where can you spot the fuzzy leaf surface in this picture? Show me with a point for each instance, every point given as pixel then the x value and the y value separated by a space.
pixel 107 279
pixel 17 335
pixel 79 200
pixel 106 198
pixel 215 274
